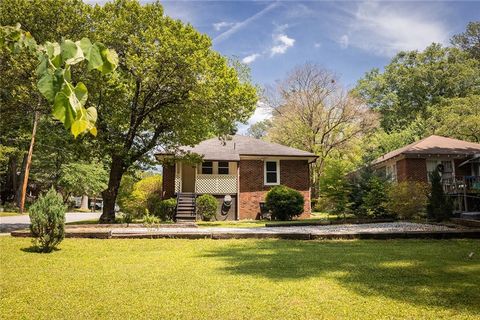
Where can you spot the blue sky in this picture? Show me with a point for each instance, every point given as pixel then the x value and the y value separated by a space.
pixel 348 38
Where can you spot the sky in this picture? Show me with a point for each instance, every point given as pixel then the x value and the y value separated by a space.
pixel 348 38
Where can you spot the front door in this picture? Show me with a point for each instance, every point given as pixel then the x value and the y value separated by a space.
pixel 188 178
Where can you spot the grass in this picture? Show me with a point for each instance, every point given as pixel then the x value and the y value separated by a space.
pixel 9 214
pixel 241 279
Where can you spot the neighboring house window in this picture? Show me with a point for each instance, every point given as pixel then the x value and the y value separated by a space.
pixel 207 167
pixel 222 167
pixel 272 172
pixel 391 172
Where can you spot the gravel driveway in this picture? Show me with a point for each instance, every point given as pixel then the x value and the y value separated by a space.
pixel 8 224
pixel 318 230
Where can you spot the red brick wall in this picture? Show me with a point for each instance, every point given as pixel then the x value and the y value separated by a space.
pixel 168 181
pixel 412 169
pixel 293 174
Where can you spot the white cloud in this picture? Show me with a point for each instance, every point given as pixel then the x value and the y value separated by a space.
pixel 240 25
pixel 317 45
pixel 249 59
pixel 261 113
pixel 387 28
pixel 343 41
pixel 223 24
pixel 281 43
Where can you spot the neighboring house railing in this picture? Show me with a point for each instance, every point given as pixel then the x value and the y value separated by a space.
pixel 216 183
pixel 461 184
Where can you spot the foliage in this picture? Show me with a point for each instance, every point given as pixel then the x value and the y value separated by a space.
pixel 457 118
pixel 285 203
pixel 82 179
pixel 415 81
pixel 126 189
pixel 142 194
pixel 165 210
pixel 312 111
pixel 47 216
pixel 54 74
pixel 150 220
pixel 469 41
pixel 206 206
pixel 407 199
pixel 439 207
pixel 334 187
pixel 368 194
pixel 259 129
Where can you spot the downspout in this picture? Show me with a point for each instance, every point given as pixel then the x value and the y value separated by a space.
pixel 237 213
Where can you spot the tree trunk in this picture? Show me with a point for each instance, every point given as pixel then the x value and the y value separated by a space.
pixel 110 194
pixel 29 163
pixel 84 204
pixel 18 190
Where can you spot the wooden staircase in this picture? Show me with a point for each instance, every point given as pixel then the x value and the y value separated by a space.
pixel 185 207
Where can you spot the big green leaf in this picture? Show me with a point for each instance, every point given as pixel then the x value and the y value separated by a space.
pixel 91 53
pixel 63 110
pixel 79 126
pixel 109 57
pixel 81 93
pixel 46 87
pixel 71 52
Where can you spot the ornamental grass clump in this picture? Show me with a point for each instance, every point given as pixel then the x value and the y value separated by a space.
pixel 285 203
pixel 47 221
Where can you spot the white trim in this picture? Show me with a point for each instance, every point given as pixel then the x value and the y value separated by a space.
pixel 265 172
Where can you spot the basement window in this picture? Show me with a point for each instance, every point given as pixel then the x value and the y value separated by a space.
pixel 272 172
pixel 207 167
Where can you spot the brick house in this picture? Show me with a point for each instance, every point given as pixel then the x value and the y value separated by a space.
pixel 458 162
pixel 238 172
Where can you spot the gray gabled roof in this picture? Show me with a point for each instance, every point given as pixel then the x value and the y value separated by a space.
pixel 433 145
pixel 237 146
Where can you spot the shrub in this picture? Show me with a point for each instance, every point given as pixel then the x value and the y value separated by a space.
pixel 142 195
pixel 163 209
pixel 407 200
pixel 150 220
pixel 438 207
pixel 284 203
pixel 369 195
pixel 47 216
pixel 207 206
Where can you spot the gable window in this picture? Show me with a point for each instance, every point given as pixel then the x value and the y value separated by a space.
pixel 207 167
pixel 222 167
pixel 272 172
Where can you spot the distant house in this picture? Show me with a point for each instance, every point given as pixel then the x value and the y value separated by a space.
pixel 458 162
pixel 238 172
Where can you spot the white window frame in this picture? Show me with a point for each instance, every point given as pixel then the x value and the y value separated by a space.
pixel 265 172
pixel 227 167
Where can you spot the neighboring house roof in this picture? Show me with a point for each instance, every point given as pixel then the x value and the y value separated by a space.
pixel 433 145
pixel 232 149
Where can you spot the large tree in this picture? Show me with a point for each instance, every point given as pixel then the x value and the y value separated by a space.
pixel 314 112
pixel 414 82
pixel 170 88
pixel 469 40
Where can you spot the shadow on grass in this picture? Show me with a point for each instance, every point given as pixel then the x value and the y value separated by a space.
pixel 34 249
pixel 431 273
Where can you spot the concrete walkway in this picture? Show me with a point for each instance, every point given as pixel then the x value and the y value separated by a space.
pixel 10 223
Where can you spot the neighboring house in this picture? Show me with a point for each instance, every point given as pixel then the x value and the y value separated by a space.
pixel 458 162
pixel 238 172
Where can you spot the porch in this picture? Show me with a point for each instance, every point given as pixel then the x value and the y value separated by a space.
pixel 212 177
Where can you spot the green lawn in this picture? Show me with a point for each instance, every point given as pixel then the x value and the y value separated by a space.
pixel 9 214
pixel 240 279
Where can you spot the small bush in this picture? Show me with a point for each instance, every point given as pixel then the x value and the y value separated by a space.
pixel 150 220
pixel 407 200
pixel 207 206
pixel 47 216
pixel 166 209
pixel 284 203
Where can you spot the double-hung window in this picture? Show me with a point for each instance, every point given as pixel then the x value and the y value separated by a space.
pixel 272 172
pixel 207 167
pixel 222 167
